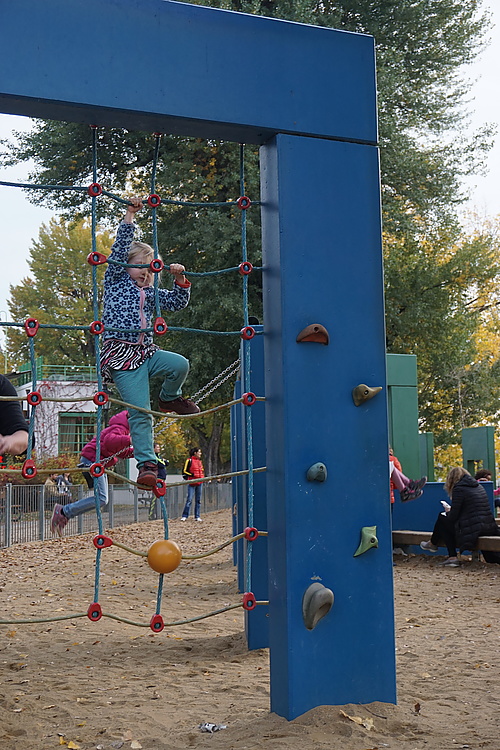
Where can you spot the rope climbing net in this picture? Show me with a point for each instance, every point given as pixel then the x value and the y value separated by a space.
pixel 163 556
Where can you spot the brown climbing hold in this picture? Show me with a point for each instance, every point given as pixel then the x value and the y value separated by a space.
pixel 315 332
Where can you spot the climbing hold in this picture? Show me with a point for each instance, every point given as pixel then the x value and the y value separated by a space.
pixel 317 473
pixel 247 333
pixel 96 259
pixel 100 398
pixel 159 488
pixel 31 326
pixel 154 200
pixel 156 623
pixel 160 327
pixel 316 603
pixel 315 332
pixel 34 398
pixel 29 469
pixel 249 601
pixel 157 265
pixel 97 327
pixel 244 202
pixel 368 540
pixel 245 268
pixel 96 470
pixel 101 541
pixel 249 398
pixel 250 533
pixel 164 556
pixel 94 612
pixel 94 189
pixel 363 393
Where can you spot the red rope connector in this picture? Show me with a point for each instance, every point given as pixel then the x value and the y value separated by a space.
pixel 244 202
pixel 101 541
pixel 247 333
pixel 29 469
pixel 160 327
pixel 97 327
pixel 96 259
pixel 245 268
pixel 96 470
pixel 249 601
pixel 94 612
pixel 159 488
pixel 94 189
pixel 100 398
pixel 251 533
pixel 157 265
pixel 249 399
pixel 156 623
pixel 154 200
pixel 31 326
pixel 34 398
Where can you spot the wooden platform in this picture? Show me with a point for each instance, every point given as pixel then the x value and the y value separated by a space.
pixel 490 543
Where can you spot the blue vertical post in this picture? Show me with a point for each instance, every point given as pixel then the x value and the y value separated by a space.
pixel 256 620
pixel 237 464
pixel 327 271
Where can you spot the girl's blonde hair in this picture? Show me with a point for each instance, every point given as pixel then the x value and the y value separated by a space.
pixel 140 249
pixel 454 476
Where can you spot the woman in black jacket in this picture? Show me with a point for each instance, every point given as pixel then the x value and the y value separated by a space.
pixel 469 517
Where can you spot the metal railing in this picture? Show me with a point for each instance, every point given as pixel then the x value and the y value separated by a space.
pixel 25 511
pixel 84 373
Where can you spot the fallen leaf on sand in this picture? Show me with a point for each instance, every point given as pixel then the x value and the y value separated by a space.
pixel 366 723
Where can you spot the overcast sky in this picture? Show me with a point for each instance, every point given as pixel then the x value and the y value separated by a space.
pixel 21 221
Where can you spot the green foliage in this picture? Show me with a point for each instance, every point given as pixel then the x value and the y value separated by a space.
pixel 438 279
pixel 58 291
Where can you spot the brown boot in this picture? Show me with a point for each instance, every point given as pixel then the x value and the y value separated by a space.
pixel 179 406
pixel 148 474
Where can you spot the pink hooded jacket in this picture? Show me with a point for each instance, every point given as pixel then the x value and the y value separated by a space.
pixel 114 438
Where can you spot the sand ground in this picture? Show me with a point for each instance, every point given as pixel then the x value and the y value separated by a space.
pixel 77 684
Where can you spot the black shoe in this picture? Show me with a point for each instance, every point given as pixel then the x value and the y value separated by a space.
pixel 417 484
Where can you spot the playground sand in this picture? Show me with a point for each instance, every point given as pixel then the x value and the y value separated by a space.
pixel 78 684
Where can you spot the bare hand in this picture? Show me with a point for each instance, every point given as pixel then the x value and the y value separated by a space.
pixel 134 206
pixel 14 444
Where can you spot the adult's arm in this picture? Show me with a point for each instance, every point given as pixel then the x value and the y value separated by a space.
pixel 13 426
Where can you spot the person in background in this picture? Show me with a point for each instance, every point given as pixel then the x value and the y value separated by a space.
pixel 409 489
pixel 193 469
pixel 114 444
pixel 466 518
pixel 484 475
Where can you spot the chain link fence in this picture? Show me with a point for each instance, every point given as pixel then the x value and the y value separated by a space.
pixel 25 511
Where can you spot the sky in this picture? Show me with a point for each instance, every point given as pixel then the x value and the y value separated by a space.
pixel 21 221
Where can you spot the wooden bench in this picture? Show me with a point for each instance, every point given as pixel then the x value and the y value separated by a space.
pixel 490 543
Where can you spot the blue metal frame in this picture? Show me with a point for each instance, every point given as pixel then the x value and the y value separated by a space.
pixel 308 95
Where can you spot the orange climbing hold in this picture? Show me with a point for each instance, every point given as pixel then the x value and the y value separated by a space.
pixel 164 556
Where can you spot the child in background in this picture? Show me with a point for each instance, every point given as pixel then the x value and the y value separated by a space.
pixel 193 469
pixel 409 489
pixel 131 359
pixel 115 439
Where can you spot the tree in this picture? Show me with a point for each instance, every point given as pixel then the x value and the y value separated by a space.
pixel 422 46
pixel 58 291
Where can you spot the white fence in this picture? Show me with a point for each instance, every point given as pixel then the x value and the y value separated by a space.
pixel 26 510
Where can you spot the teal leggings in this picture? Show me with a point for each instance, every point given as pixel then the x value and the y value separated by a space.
pixel 133 386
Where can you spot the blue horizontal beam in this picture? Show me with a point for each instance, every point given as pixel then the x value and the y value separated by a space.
pixel 165 66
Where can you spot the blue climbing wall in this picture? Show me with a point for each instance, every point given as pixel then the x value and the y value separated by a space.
pixel 327 271
pixel 308 95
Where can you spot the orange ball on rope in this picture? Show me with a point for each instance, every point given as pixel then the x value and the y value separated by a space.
pixel 164 556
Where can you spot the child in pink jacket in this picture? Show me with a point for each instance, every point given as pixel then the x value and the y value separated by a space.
pixel 115 444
